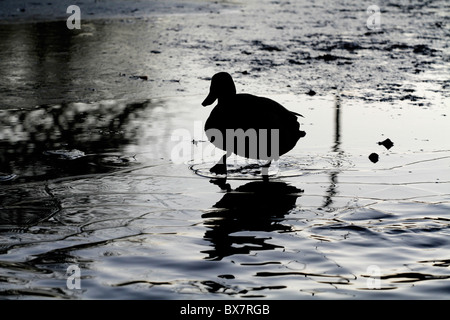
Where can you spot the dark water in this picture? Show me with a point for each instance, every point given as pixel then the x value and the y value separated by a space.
pixel 90 119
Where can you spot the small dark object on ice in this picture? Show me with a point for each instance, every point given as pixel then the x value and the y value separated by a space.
pixel 311 92
pixel 373 157
pixel 139 77
pixel 387 143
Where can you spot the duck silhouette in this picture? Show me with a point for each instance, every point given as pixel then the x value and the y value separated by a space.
pixel 247 125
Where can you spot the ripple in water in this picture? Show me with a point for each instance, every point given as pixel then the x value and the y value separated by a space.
pixel 239 168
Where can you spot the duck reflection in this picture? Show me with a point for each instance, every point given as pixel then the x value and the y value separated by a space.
pixel 255 206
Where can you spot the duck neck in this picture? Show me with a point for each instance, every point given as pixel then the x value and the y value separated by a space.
pixel 226 98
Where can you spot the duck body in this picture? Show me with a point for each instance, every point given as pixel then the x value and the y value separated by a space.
pixel 248 125
pixel 274 127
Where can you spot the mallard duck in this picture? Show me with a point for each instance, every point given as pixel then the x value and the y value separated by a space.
pixel 247 125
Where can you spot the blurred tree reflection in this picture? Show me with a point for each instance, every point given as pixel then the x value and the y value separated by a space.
pixel 94 129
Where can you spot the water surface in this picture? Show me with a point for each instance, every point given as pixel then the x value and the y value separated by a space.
pixel 90 119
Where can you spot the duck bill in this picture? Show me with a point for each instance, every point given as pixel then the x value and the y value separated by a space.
pixel 209 100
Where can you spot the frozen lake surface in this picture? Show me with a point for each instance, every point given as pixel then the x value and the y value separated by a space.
pixel 91 119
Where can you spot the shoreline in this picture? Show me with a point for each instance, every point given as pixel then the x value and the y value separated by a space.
pixel 172 47
pixel 12 12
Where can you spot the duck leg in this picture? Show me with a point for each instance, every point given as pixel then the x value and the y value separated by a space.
pixel 221 166
pixel 265 171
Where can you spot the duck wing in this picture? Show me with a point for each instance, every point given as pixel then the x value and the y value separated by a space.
pixel 245 111
pixel 262 113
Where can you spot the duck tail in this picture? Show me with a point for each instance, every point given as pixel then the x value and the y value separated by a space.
pixel 297 114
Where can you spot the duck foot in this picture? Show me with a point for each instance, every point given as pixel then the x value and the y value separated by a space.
pixel 222 183
pixel 219 168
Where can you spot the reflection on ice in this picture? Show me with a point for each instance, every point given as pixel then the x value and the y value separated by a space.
pixel 256 206
pixel 73 138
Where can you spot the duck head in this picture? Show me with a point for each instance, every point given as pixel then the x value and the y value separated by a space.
pixel 222 87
